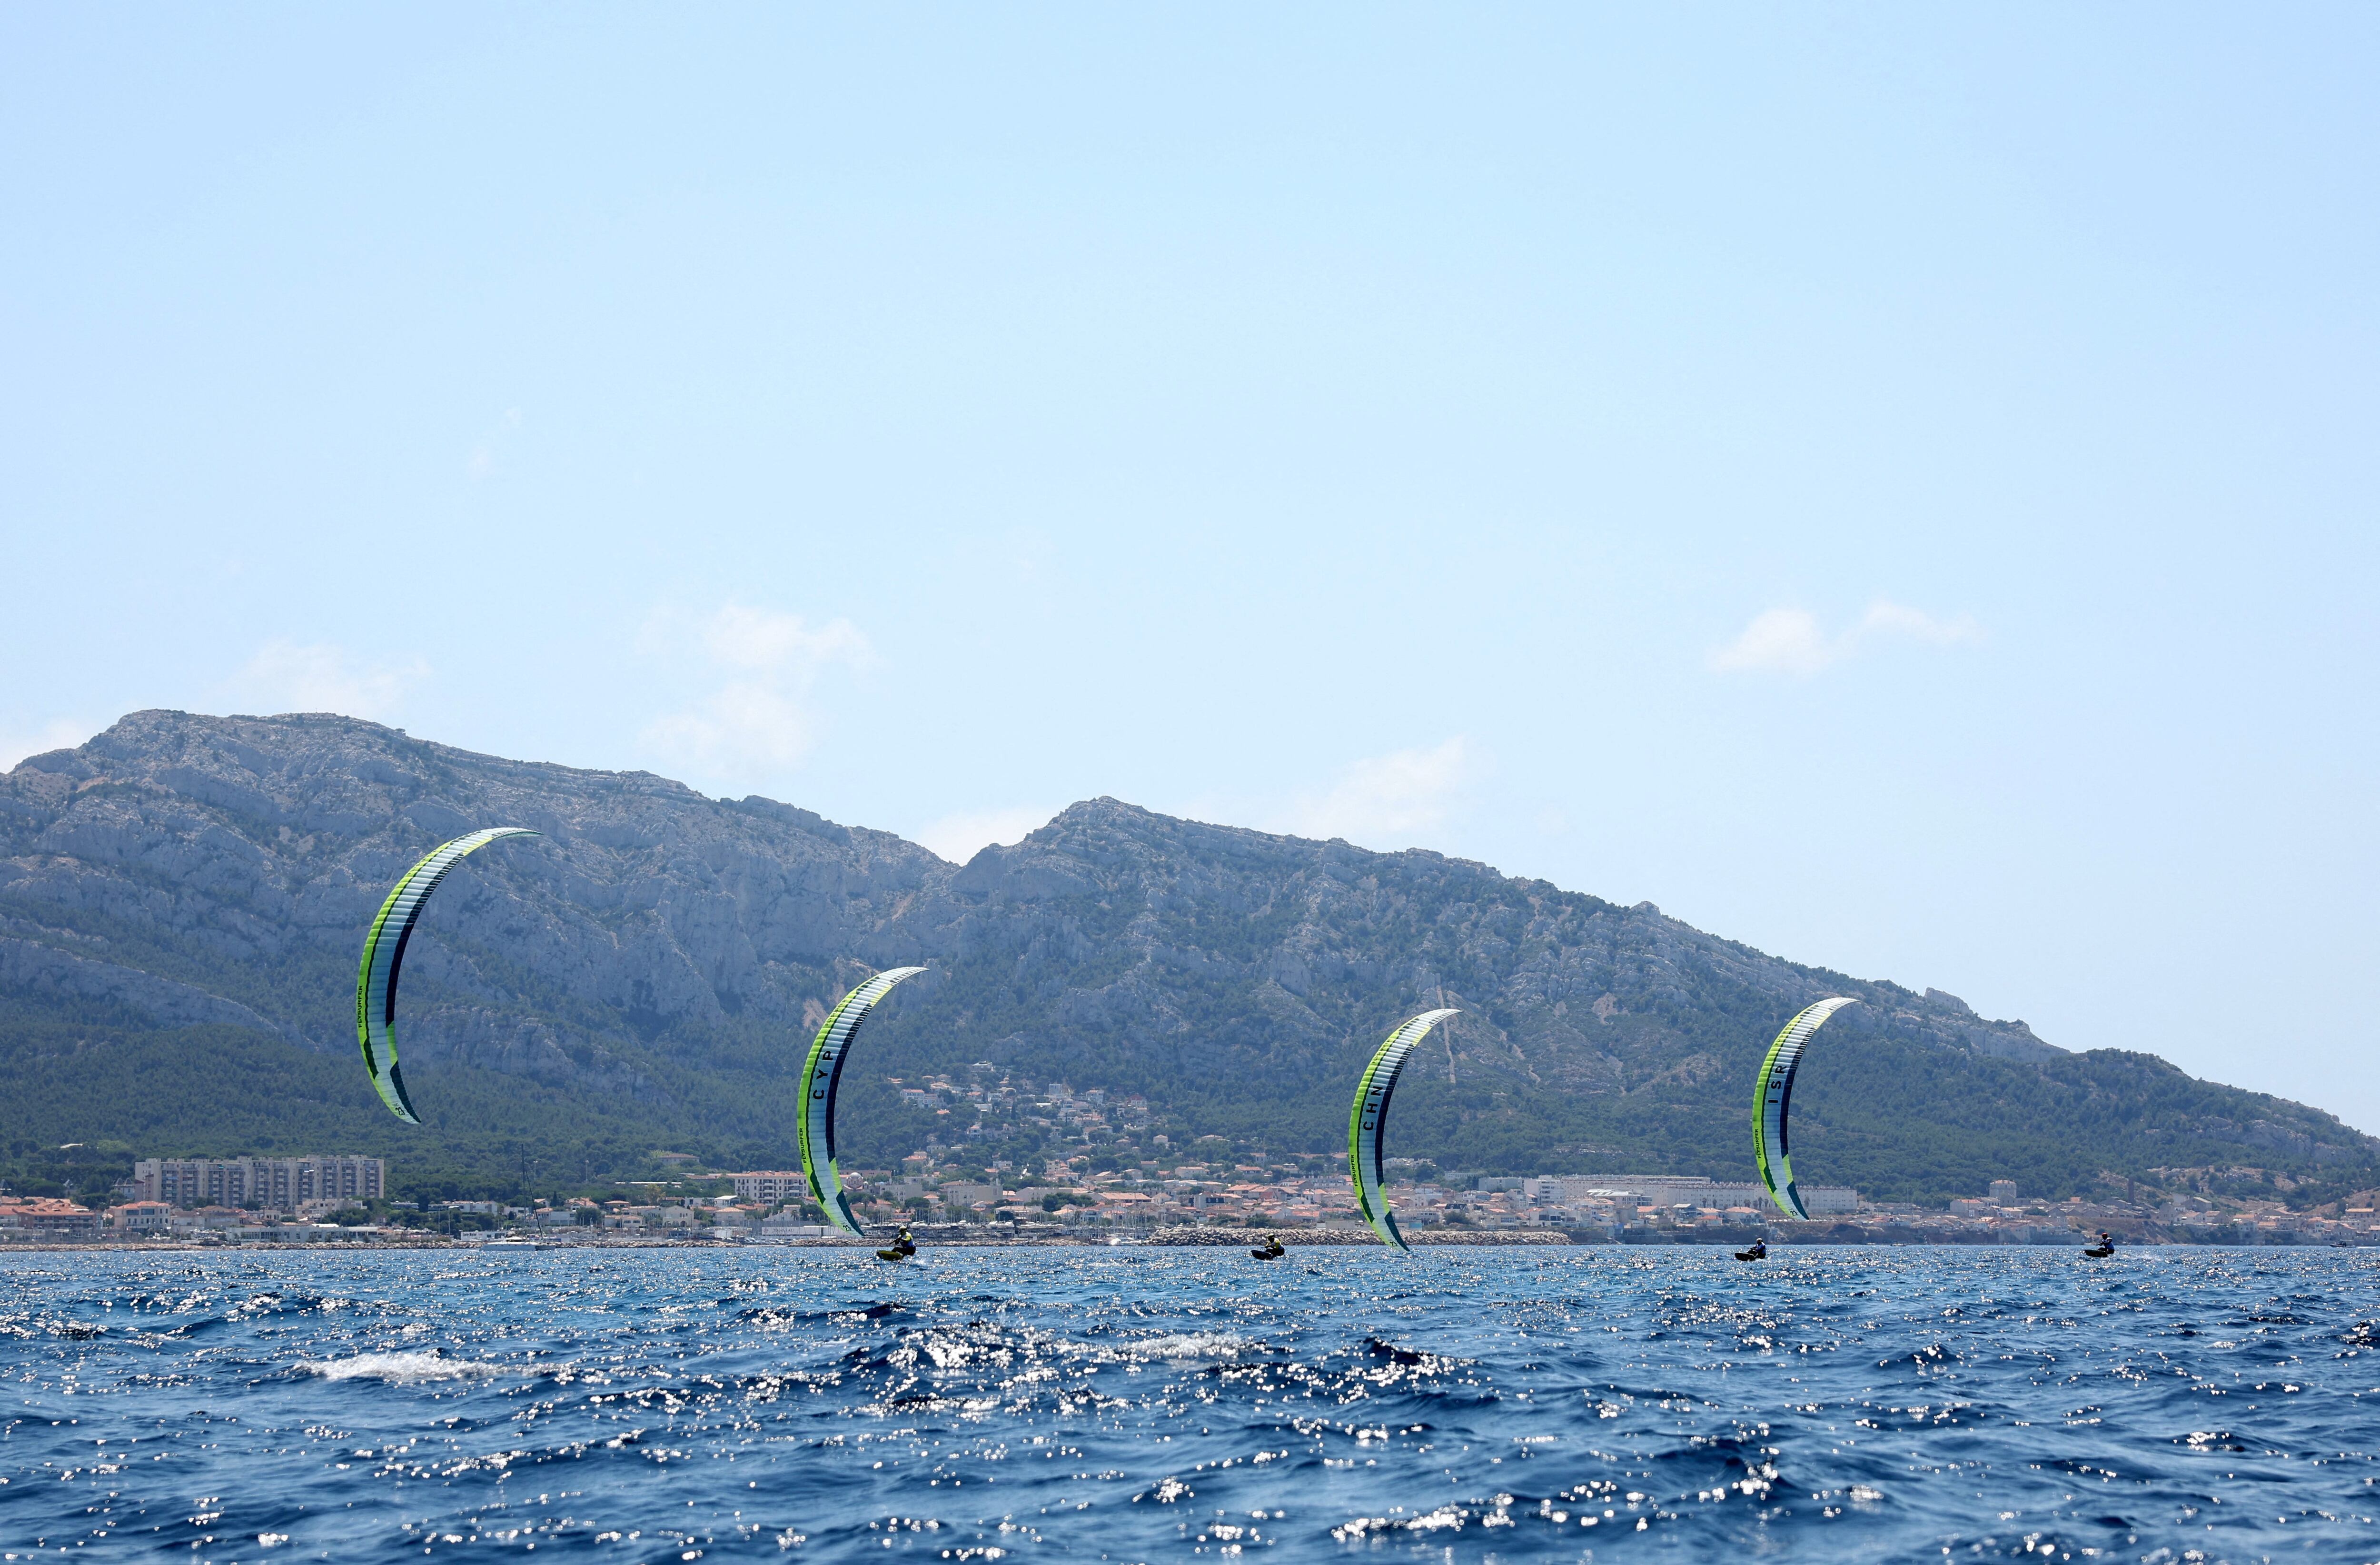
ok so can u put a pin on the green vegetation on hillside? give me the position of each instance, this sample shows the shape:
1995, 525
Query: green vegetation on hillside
84, 1075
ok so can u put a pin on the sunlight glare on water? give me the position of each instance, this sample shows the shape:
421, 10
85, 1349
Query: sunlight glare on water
2178, 1405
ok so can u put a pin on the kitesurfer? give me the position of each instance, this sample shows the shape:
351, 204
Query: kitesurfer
1758, 1251
822, 1076
384, 955
2105, 1248
1772, 1098
1368, 1124
1271, 1250
903, 1247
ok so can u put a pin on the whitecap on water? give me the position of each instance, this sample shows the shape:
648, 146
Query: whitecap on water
1190, 1345
398, 1369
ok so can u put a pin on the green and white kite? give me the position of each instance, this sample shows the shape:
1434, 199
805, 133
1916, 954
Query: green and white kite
821, 1074
1367, 1123
384, 951
1772, 1096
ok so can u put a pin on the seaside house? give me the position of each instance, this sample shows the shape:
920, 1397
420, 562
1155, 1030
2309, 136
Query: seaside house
45, 1217
139, 1218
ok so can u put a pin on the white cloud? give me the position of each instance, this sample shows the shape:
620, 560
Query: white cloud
319, 676
780, 644
1785, 640
1389, 798
1791, 640
754, 723
961, 837
745, 723
63, 733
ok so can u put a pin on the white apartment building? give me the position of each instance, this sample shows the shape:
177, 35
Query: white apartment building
1669, 1190
772, 1186
270, 1184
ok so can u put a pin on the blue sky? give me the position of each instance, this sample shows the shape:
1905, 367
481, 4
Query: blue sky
1894, 488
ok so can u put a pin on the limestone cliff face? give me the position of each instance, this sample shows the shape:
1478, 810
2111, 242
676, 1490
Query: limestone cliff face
1206, 964
198, 868
182, 872
1219, 951
188, 868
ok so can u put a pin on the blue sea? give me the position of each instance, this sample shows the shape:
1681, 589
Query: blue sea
1140, 1404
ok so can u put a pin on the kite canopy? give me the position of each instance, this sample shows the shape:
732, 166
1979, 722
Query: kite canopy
821, 1074
1367, 1121
384, 951
1772, 1096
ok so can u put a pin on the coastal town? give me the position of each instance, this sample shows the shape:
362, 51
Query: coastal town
1008, 1163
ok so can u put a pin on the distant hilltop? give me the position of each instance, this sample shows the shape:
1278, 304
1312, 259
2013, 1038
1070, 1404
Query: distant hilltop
182, 900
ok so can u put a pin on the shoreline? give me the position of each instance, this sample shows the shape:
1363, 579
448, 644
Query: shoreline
1189, 1237
1161, 1238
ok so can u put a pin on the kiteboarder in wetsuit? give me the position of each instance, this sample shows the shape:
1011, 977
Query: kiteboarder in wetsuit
1271, 1250
2105, 1248
903, 1247
1758, 1251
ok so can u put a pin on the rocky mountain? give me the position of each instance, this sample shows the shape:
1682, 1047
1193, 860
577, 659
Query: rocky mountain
182, 900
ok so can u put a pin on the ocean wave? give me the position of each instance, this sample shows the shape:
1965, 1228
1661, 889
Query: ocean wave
1064, 1402
1189, 1345
411, 1367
